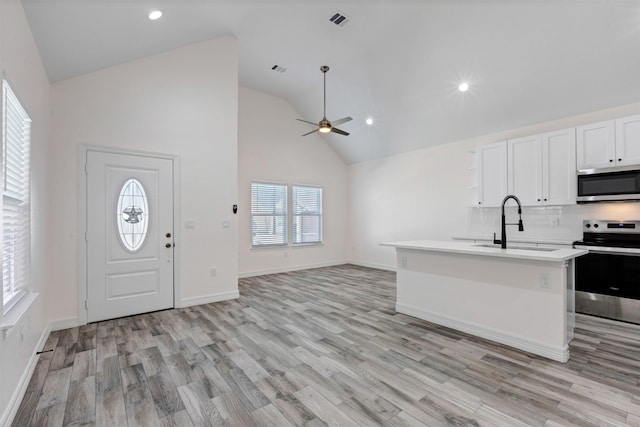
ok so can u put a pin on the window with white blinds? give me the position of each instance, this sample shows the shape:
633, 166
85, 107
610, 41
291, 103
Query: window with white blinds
307, 214
268, 214
16, 207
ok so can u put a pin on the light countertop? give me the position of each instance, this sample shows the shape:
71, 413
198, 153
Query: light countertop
537, 241
473, 248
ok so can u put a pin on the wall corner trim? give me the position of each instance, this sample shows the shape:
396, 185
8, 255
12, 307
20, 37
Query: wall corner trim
288, 269
69, 322
206, 299
372, 265
18, 394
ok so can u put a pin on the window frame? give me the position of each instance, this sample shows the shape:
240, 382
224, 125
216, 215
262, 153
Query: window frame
274, 214
317, 214
16, 200
289, 216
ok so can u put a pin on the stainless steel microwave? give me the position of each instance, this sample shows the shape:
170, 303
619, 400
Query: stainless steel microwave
610, 184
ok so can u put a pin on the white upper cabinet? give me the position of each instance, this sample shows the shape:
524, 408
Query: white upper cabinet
610, 143
525, 169
542, 168
596, 145
628, 141
492, 174
559, 182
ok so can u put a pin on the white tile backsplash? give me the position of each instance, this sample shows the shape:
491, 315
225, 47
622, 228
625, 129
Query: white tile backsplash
539, 221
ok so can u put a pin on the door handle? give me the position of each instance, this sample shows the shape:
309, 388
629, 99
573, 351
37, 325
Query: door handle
168, 245
167, 235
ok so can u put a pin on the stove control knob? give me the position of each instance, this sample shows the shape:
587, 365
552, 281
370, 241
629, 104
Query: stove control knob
595, 225
588, 225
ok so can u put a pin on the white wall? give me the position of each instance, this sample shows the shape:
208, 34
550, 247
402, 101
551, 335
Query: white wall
272, 149
21, 62
183, 102
425, 194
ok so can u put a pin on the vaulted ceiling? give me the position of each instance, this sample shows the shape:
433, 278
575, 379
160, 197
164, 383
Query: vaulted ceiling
397, 61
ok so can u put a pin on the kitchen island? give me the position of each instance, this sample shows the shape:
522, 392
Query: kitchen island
523, 298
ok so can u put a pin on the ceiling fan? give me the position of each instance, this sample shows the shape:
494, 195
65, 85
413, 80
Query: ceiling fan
324, 125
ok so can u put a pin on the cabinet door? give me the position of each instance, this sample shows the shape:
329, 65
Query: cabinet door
559, 167
595, 145
628, 141
492, 173
525, 169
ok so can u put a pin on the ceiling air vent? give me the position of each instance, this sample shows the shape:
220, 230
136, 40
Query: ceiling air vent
340, 19
278, 69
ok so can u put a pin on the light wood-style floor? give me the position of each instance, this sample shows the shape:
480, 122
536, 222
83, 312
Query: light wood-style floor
323, 347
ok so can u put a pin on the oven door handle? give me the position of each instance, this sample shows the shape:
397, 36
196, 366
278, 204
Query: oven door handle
609, 251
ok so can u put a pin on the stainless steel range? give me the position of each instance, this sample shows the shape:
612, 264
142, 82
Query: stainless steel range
608, 277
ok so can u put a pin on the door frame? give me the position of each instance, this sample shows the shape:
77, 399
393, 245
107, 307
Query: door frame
83, 150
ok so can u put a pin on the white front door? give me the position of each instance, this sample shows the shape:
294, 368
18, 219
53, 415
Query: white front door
129, 234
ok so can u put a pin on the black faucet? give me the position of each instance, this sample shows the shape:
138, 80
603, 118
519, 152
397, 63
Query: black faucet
503, 238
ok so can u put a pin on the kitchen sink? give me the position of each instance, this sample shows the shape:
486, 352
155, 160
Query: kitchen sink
522, 248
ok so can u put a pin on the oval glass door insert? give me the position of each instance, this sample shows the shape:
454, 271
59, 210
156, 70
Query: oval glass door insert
132, 215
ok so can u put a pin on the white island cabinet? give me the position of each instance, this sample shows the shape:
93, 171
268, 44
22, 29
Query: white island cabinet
523, 298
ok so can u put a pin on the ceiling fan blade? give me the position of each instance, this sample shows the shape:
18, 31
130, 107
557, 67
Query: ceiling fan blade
341, 121
306, 121
309, 133
339, 131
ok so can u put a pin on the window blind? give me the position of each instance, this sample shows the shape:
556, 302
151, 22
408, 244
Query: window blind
16, 209
268, 214
307, 214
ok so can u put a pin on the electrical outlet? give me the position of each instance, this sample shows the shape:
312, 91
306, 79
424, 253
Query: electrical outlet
545, 280
189, 224
555, 222
212, 272
226, 224
403, 262
286, 254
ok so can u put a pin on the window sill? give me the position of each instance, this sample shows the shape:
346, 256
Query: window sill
269, 247
306, 245
285, 247
16, 313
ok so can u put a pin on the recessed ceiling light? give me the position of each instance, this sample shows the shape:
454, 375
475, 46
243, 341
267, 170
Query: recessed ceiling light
156, 14
369, 121
464, 86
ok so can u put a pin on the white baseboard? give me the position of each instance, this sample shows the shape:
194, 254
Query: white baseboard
21, 388
290, 268
206, 299
372, 265
69, 322
560, 354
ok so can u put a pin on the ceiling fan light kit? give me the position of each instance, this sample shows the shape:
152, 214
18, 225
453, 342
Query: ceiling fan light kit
324, 125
